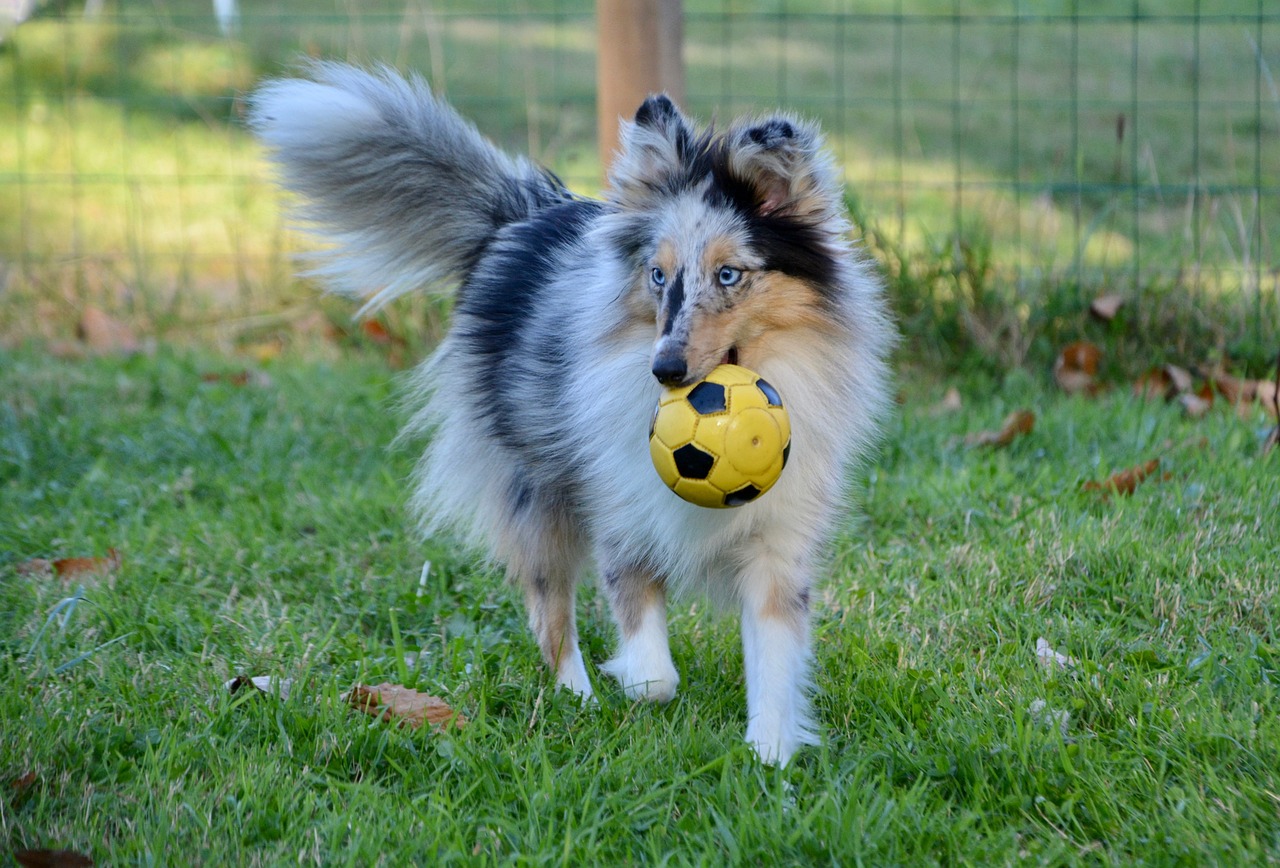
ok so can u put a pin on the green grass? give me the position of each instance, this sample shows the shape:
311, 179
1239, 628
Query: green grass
262, 532
128, 181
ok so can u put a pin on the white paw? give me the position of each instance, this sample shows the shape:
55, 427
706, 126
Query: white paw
573, 676
776, 738
771, 747
656, 682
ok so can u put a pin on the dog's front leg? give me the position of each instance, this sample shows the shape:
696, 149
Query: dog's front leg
775, 650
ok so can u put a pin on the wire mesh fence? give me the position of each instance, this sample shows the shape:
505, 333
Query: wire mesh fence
996, 151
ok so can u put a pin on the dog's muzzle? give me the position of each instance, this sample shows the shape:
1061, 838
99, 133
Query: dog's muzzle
670, 368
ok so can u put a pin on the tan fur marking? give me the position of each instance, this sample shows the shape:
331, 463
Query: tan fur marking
552, 621
631, 594
770, 306
784, 604
722, 250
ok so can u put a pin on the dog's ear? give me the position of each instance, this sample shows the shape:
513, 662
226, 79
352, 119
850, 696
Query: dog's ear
652, 154
782, 159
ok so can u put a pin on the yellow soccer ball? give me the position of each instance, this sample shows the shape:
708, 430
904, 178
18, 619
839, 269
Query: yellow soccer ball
723, 441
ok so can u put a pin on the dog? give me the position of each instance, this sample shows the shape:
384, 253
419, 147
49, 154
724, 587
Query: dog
571, 316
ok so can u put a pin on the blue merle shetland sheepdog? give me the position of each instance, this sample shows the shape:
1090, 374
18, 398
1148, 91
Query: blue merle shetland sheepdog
571, 315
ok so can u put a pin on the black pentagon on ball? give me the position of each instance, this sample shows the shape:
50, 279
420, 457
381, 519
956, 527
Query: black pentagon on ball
786, 453
708, 398
692, 462
746, 494
770, 393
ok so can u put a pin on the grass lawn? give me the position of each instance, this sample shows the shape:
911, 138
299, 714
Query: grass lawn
261, 532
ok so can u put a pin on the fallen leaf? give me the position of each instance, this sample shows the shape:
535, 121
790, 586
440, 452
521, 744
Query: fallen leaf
1050, 659
1016, 424
951, 402
1154, 384
25, 782
1076, 368
34, 567
1124, 481
1194, 405
264, 351
1267, 397
238, 378
1105, 307
73, 568
51, 859
315, 323
1236, 391
1043, 715
70, 350
377, 332
1179, 377
104, 334
393, 701
266, 684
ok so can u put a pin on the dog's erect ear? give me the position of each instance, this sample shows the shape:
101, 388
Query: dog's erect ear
652, 153
783, 161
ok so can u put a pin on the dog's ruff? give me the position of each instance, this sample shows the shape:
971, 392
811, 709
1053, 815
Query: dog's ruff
537, 404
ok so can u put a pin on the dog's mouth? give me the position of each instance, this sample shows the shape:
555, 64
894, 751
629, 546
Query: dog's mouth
730, 357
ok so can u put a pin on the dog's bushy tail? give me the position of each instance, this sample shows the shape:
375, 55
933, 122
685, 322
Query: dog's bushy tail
408, 193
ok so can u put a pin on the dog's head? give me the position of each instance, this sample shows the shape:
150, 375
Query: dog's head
729, 237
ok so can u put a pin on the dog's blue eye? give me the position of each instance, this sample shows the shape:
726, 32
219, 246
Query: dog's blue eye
659, 279
729, 276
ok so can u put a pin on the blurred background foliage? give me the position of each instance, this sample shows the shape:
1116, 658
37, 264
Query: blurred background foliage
1006, 161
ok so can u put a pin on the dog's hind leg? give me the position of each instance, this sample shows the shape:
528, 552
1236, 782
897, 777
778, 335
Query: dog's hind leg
544, 554
549, 599
775, 651
643, 664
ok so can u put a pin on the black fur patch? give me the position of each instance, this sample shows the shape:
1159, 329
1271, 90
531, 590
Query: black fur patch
788, 244
495, 306
656, 109
675, 301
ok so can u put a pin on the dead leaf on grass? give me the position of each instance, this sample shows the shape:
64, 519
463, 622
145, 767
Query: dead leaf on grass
1233, 389
1043, 715
1050, 659
35, 567
104, 334
67, 350
1123, 481
1076, 368
1268, 396
951, 403
1016, 424
1165, 382
51, 859
375, 331
411, 708
1105, 307
70, 568
245, 377
24, 782
269, 685
1194, 404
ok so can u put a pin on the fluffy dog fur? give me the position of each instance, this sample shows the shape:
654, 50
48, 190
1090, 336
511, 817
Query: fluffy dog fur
708, 246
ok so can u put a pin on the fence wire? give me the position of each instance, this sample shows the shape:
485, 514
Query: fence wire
1097, 144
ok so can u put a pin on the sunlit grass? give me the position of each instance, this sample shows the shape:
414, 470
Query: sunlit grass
263, 532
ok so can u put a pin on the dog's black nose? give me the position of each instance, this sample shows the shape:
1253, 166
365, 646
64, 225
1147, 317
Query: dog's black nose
669, 370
